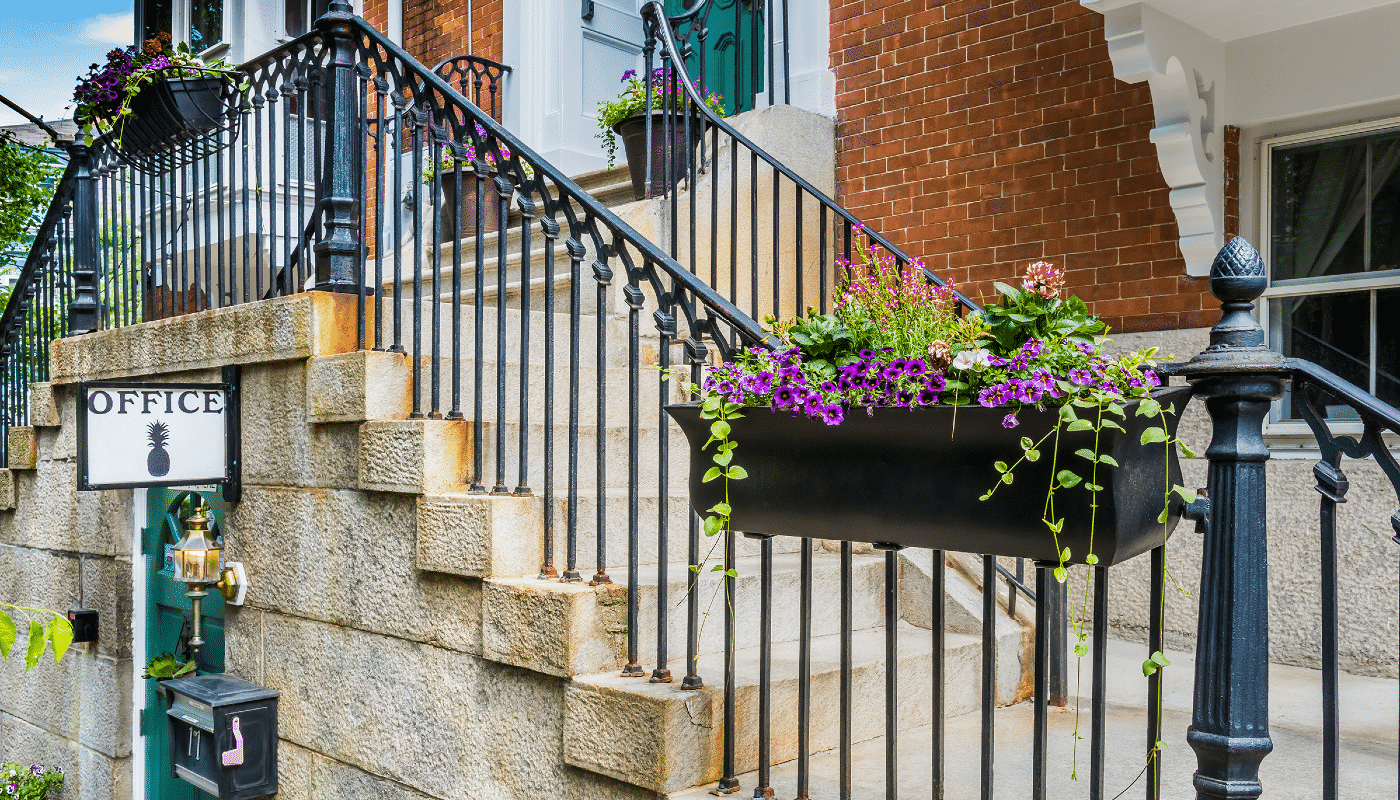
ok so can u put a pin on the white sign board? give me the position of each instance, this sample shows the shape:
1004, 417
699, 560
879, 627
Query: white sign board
154, 434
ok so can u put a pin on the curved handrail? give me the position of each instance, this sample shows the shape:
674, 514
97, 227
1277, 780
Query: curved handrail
1371, 408
592, 208
653, 14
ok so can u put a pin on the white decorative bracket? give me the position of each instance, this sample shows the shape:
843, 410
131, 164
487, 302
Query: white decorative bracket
1175, 60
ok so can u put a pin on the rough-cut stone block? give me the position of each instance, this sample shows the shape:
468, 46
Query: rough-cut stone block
53, 514
85, 698
672, 734
560, 629
43, 405
24, 447
347, 558
7, 490
294, 772
414, 456
280, 329
358, 386
481, 536
280, 445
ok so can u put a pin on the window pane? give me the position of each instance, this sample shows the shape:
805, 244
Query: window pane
155, 18
1385, 207
296, 17
1319, 210
1388, 346
1333, 330
206, 24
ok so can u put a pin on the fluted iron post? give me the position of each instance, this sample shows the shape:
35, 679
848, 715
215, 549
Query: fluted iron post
84, 312
338, 252
1239, 377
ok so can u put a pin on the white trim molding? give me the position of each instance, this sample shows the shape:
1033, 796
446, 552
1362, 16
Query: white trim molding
1182, 66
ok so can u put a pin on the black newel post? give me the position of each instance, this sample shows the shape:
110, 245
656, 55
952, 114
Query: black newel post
338, 253
83, 312
1239, 377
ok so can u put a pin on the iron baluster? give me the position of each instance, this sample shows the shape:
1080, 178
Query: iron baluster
765, 671
891, 671
419, 120
438, 131
1098, 712
576, 253
696, 355
804, 675
635, 299
666, 329
602, 277
527, 220
503, 192
1040, 737
938, 668
550, 228
847, 695
989, 655
1156, 639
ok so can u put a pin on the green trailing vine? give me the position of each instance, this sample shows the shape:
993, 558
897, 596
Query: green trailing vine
56, 635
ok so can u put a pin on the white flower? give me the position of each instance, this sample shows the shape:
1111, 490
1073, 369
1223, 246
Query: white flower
971, 358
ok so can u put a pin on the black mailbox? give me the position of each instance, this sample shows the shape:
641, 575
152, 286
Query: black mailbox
223, 735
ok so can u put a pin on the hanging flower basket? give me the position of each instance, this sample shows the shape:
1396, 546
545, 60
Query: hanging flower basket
669, 155
913, 477
176, 112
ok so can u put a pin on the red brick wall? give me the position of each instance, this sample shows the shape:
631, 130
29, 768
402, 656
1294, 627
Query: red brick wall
985, 134
434, 30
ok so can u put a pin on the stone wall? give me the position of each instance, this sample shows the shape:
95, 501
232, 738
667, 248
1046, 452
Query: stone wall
385, 691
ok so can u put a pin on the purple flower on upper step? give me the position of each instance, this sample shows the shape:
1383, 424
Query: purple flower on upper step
1010, 421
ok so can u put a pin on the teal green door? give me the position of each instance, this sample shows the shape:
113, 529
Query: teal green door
168, 620
734, 64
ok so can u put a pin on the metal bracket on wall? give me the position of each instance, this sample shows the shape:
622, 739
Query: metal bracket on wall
233, 487
587, 11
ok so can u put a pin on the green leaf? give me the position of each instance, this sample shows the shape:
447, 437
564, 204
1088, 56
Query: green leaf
60, 636
1056, 526
1162, 517
731, 410
1091, 559
1080, 425
36, 645
1032, 455
1080, 650
733, 573
1093, 487
721, 508
724, 458
1185, 451
1006, 477
736, 473
1186, 494
1067, 479
1026, 443
1159, 659
710, 403
7, 634
1067, 413
1149, 407
1060, 574
1085, 452
1021, 318
1109, 460
188, 667
1108, 423
1153, 435
1064, 554
719, 429
1000, 466
717, 568
1148, 668
985, 497
713, 525
711, 474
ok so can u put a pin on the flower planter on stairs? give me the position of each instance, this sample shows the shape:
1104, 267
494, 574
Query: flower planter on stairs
668, 163
913, 478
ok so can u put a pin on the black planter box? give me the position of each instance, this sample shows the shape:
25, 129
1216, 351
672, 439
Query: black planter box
913, 477
174, 112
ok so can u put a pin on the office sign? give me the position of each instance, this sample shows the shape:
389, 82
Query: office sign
155, 434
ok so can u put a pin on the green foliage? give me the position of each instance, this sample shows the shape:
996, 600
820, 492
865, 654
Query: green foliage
633, 100
25, 175
166, 666
1024, 315
56, 635
34, 782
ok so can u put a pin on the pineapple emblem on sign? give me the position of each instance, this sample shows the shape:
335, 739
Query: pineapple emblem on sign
158, 462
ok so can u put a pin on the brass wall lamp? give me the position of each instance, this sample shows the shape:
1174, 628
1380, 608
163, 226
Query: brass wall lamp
197, 564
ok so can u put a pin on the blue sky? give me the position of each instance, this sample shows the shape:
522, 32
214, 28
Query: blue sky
46, 44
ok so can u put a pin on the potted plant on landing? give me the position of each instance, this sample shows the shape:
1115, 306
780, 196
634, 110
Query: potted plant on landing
626, 117
34, 782
474, 186
895, 420
155, 97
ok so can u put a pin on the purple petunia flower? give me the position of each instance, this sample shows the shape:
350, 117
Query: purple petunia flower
1151, 378
915, 368
1010, 421
867, 354
833, 414
1081, 376
928, 397
936, 382
784, 397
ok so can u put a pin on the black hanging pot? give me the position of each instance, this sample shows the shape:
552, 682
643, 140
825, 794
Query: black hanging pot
913, 478
171, 112
465, 206
668, 165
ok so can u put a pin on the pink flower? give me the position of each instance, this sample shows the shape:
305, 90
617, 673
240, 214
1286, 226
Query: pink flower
1043, 279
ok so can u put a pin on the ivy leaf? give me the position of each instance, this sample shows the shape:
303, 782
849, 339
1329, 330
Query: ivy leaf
737, 473
713, 525
710, 404
1186, 494
711, 474
1108, 423
1085, 452
1185, 451
733, 573
1162, 517
721, 508
7, 634
1109, 460
36, 645
1067, 479
719, 429
986, 496
61, 636
1060, 574
1153, 435
1006, 477
1080, 425
1093, 487
1064, 555
1067, 414
1148, 668
724, 458
717, 568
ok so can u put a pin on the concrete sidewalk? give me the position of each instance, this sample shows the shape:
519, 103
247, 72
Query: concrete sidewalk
1369, 708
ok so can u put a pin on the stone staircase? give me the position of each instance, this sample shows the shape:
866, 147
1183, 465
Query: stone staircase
578, 632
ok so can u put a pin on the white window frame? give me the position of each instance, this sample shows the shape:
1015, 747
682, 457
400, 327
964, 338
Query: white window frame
1295, 435
180, 13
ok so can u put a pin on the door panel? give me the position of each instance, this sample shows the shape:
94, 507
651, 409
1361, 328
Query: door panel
168, 619
734, 64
